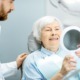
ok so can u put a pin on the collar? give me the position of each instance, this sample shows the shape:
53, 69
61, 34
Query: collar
48, 52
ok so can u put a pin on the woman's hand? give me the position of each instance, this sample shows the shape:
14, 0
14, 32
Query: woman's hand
69, 64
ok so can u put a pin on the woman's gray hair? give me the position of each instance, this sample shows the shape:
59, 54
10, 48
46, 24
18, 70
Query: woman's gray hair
42, 22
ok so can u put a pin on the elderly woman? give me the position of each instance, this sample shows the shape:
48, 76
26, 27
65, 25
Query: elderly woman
44, 61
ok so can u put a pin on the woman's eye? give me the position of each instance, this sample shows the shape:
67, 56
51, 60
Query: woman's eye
47, 29
57, 29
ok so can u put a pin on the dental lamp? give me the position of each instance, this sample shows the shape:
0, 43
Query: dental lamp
70, 6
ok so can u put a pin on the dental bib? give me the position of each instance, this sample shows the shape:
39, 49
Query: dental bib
50, 65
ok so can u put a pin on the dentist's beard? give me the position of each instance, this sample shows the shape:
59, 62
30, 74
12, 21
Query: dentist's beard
3, 15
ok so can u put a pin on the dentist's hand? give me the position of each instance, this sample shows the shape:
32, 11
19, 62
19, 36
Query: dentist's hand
20, 59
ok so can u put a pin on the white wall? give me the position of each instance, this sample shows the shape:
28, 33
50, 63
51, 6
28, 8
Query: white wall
66, 17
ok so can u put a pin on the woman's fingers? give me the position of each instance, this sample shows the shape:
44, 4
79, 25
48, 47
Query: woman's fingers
69, 64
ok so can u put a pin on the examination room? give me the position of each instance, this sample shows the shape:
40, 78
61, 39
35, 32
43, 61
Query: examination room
40, 40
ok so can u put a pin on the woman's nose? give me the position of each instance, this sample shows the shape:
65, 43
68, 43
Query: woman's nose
53, 33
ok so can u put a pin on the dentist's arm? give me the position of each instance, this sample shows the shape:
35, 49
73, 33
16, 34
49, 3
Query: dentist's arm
8, 69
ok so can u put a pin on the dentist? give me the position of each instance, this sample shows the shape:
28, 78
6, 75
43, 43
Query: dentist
8, 69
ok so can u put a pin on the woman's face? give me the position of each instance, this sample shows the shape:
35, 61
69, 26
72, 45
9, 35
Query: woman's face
50, 35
